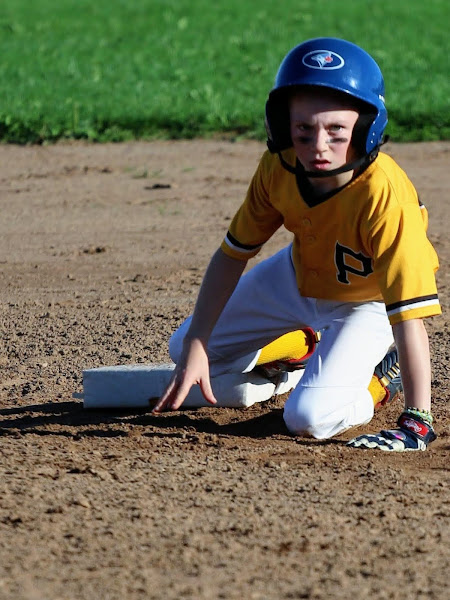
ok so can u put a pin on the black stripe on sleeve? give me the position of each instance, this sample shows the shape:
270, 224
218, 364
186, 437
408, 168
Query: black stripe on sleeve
238, 244
411, 301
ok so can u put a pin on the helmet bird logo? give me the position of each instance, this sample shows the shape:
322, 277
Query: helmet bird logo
323, 59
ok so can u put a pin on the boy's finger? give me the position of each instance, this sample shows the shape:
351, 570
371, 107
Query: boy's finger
205, 386
176, 393
165, 398
179, 396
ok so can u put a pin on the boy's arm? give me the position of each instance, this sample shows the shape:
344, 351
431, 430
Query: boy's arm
415, 431
219, 282
413, 348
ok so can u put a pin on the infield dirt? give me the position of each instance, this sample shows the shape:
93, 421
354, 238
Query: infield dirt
102, 251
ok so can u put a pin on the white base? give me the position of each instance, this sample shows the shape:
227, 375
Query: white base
128, 386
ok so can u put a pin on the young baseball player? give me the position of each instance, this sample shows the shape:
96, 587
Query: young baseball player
360, 269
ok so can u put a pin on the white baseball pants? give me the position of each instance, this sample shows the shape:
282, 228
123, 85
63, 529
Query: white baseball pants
332, 394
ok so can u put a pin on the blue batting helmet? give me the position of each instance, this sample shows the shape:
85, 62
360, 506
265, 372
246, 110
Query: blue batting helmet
335, 64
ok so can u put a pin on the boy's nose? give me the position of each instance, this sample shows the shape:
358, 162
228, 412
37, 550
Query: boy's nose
321, 140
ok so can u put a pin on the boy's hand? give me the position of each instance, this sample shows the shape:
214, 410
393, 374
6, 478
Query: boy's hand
413, 433
192, 368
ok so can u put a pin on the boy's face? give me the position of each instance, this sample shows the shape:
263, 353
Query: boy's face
321, 130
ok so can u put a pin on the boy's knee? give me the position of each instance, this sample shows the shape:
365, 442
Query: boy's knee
323, 412
304, 418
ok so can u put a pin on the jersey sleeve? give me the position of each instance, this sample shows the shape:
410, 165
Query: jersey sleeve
256, 220
405, 263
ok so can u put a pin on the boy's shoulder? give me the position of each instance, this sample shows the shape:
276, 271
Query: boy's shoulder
385, 168
270, 161
385, 176
389, 165
271, 167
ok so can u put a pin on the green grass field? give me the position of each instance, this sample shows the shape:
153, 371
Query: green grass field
122, 69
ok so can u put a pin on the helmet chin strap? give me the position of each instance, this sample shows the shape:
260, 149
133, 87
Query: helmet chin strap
351, 166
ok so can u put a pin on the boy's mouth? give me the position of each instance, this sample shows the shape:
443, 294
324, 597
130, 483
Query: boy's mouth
320, 164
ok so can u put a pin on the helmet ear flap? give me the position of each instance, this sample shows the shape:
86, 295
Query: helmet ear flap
277, 123
361, 131
375, 137
368, 130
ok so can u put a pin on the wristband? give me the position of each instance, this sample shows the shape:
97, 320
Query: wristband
417, 426
421, 413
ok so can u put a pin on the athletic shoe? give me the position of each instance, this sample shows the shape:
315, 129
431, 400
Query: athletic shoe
388, 374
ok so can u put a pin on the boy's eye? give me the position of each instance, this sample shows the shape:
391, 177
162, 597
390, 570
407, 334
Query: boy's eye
301, 128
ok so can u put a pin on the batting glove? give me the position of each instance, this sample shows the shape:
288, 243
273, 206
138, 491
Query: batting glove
413, 433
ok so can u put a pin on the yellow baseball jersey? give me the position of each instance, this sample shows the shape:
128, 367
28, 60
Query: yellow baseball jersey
367, 242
